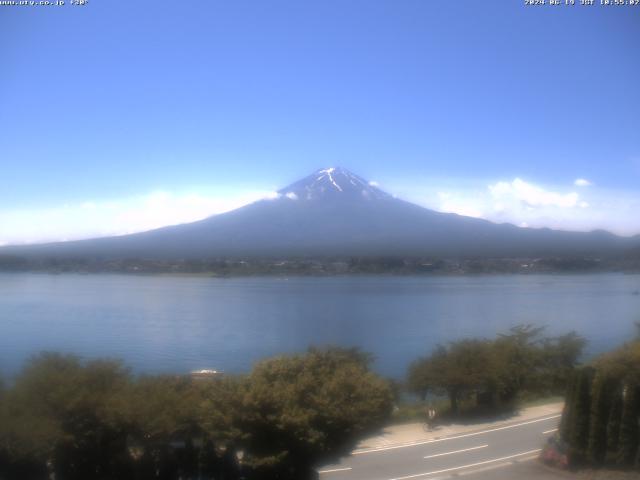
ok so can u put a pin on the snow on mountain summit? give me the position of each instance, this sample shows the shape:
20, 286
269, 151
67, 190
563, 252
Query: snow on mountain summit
333, 183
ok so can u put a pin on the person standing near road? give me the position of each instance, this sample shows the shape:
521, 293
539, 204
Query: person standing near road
431, 416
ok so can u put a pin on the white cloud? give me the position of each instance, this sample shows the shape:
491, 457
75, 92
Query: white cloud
582, 182
518, 202
449, 203
526, 204
94, 218
532, 195
291, 196
373, 183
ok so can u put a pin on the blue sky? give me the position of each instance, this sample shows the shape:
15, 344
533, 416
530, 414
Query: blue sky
121, 116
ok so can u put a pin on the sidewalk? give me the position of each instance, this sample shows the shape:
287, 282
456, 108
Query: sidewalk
410, 433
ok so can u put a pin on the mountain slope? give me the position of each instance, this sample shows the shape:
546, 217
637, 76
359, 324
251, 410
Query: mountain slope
336, 213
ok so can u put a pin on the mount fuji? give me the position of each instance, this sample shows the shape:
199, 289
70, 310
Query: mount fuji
334, 212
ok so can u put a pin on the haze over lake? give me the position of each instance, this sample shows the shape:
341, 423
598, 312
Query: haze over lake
177, 324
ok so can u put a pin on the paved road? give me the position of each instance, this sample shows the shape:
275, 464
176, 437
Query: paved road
465, 454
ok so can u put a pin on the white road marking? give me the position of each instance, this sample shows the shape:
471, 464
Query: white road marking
527, 459
424, 442
456, 451
331, 470
484, 469
466, 466
496, 466
550, 431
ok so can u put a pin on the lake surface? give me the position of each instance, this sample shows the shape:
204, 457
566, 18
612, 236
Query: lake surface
178, 324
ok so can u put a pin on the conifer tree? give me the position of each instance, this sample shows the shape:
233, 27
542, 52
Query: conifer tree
600, 404
628, 442
566, 421
613, 424
579, 433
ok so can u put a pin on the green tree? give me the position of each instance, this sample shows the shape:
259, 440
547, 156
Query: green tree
498, 371
600, 421
613, 425
602, 391
560, 356
299, 409
518, 360
628, 442
581, 406
67, 415
567, 419
421, 378
463, 368
163, 411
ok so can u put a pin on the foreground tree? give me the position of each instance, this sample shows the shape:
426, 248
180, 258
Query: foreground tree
603, 389
301, 409
518, 361
70, 419
66, 417
466, 369
600, 421
578, 431
560, 356
163, 419
497, 371
422, 378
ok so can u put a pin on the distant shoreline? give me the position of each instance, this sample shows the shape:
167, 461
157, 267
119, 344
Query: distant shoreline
383, 266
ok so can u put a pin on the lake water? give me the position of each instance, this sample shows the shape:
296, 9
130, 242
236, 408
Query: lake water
177, 324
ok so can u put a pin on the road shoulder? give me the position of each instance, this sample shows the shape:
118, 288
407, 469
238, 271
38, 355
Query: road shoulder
397, 436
